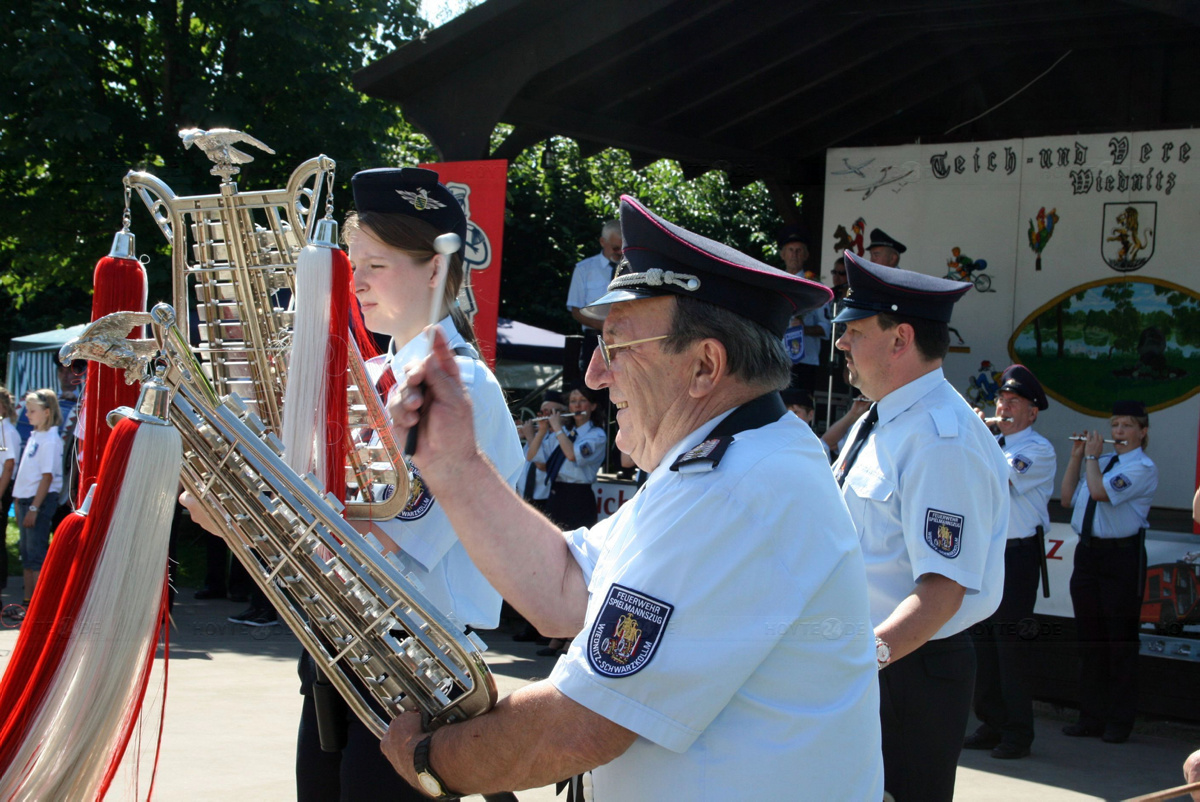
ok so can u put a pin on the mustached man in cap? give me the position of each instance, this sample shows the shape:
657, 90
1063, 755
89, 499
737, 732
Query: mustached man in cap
1110, 497
699, 666
1003, 701
885, 249
921, 475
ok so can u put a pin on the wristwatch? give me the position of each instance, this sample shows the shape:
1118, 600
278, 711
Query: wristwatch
430, 782
1090, 456
883, 653
33, 508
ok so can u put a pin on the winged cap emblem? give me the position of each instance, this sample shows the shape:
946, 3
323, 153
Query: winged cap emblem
420, 199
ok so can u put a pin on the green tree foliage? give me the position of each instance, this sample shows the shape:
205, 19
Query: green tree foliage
95, 89
557, 201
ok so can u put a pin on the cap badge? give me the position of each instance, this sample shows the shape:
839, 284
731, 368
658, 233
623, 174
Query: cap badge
420, 199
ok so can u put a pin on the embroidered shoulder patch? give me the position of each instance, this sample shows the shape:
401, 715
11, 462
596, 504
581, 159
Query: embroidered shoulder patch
585, 450
1020, 463
943, 532
1120, 482
704, 457
420, 500
628, 629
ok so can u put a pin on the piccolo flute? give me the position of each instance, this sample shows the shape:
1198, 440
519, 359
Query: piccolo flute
548, 417
1083, 437
992, 421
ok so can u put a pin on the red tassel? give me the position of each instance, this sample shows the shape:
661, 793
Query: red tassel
39, 618
120, 286
51, 617
337, 356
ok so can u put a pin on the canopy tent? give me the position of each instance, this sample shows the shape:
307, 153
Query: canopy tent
527, 358
520, 342
33, 359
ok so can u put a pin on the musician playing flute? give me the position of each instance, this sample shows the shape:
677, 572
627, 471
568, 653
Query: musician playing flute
722, 646
1003, 699
399, 213
1110, 497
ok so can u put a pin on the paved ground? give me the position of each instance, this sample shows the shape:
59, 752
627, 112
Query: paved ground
233, 706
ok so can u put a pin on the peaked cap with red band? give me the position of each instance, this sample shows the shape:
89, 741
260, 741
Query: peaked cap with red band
875, 288
661, 258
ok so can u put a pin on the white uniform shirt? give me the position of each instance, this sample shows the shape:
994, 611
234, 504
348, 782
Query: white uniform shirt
430, 548
589, 281
1031, 467
10, 438
541, 488
43, 454
1130, 487
928, 496
753, 674
589, 454
812, 344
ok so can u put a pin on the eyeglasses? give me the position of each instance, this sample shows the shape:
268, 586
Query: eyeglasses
839, 272
606, 350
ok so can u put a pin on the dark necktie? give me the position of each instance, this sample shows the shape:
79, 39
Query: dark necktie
612, 268
860, 439
1001, 441
555, 461
530, 478
1089, 512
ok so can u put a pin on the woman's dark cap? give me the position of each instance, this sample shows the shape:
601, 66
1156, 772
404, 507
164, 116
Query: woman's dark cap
1134, 409
411, 191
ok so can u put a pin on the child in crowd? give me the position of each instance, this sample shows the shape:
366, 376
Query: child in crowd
10, 443
38, 483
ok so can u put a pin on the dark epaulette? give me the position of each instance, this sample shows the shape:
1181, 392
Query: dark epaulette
704, 457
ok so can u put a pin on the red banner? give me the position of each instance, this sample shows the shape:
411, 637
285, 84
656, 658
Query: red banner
480, 187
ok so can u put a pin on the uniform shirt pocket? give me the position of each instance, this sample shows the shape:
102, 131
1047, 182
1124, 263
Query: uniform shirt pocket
870, 485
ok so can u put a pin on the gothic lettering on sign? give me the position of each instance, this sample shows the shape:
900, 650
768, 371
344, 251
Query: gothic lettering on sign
937, 163
942, 164
1118, 147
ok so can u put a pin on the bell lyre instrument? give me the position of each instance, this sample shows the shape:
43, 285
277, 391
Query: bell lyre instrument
356, 609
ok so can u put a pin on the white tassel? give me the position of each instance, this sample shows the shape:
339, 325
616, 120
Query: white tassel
82, 719
303, 432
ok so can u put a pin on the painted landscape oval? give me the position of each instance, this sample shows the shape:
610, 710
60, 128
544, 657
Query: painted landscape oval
1109, 340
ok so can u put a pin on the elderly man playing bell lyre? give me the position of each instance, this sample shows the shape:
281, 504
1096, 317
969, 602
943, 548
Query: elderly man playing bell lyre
722, 646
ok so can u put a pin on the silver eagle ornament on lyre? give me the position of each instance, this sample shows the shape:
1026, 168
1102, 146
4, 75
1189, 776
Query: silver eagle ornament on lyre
218, 145
233, 265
